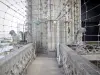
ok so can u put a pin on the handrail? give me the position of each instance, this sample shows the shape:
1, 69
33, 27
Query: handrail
74, 64
16, 62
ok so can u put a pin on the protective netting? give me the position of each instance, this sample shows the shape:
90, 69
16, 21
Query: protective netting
90, 13
90, 20
12, 17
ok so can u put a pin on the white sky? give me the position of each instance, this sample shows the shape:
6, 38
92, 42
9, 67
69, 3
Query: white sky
9, 19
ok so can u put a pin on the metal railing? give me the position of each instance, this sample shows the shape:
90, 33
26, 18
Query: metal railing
17, 62
74, 64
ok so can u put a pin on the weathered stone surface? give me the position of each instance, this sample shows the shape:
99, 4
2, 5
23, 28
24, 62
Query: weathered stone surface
44, 66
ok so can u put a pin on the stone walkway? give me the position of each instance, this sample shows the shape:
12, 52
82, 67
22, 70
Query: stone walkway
44, 66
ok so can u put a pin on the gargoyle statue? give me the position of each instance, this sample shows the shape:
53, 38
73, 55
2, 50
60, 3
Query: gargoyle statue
14, 37
78, 34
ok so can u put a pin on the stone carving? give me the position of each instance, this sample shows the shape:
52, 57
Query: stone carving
21, 38
78, 36
14, 37
28, 37
74, 64
16, 63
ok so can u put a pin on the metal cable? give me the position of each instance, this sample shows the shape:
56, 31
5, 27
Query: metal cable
16, 17
90, 18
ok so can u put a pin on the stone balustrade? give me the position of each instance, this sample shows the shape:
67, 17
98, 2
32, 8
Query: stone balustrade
17, 62
86, 49
74, 64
